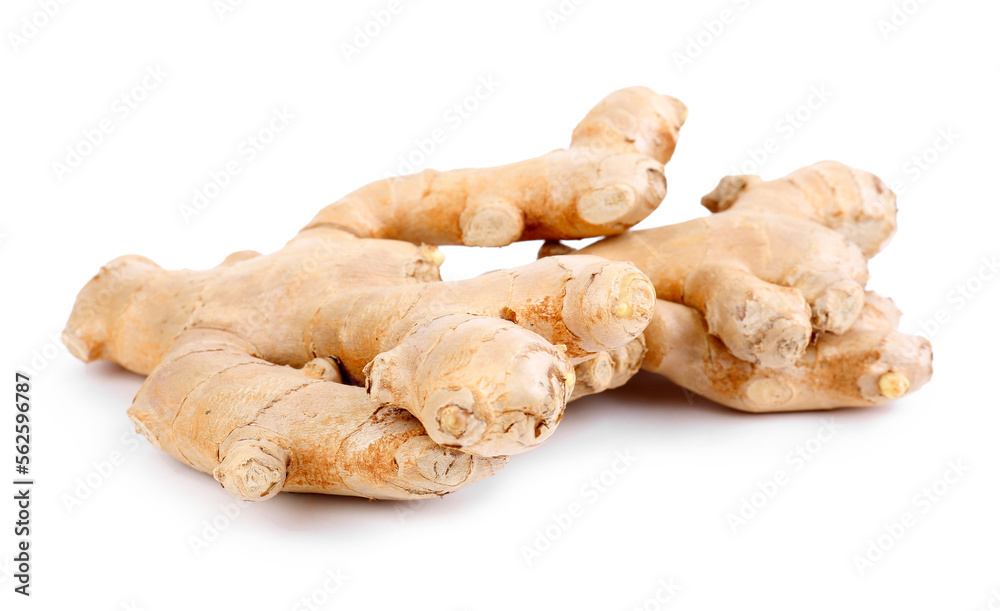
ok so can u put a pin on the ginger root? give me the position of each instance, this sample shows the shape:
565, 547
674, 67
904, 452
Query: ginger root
852, 202
262, 428
762, 306
485, 366
870, 364
254, 366
342, 364
610, 178
764, 280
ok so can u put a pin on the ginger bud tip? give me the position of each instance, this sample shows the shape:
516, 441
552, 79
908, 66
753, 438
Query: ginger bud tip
454, 420
893, 384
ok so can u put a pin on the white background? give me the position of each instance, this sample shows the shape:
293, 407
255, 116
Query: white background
665, 518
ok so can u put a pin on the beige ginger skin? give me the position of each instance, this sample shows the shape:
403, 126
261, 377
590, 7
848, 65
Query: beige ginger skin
870, 364
341, 364
762, 305
252, 365
485, 366
262, 428
610, 178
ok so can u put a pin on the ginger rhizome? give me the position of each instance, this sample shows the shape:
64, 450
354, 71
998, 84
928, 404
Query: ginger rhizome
762, 306
870, 364
262, 428
342, 364
256, 366
483, 366
610, 178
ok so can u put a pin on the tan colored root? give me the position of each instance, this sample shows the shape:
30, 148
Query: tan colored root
766, 282
268, 300
606, 370
261, 428
634, 119
338, 306
610, 178
778, 317
363, 303
330, 294
587, 304
246, 360
485, 386
854, 203
758, 321
870, 364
